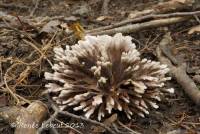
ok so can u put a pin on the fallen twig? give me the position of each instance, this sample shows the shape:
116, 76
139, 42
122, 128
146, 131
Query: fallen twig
179, 72
139, 26
85, 119
146, 17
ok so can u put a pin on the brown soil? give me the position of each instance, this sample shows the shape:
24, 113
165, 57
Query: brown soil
177, 113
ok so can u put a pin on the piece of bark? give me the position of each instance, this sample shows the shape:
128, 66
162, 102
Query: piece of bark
179, 72
25, 120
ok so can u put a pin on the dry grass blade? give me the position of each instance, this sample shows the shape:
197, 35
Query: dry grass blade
28, 66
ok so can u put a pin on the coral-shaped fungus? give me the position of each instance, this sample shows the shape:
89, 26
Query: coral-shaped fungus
104, 74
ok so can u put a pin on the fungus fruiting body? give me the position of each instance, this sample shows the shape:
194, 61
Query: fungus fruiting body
102, 74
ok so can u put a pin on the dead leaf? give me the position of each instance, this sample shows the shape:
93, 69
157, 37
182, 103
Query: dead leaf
78, 30
51, 26
194, 29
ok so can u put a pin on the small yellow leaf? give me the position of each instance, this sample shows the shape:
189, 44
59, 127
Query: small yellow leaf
77, 29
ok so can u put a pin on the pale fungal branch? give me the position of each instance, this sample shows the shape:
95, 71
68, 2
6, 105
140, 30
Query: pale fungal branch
105, 73
58, 111
88, 120
178, 71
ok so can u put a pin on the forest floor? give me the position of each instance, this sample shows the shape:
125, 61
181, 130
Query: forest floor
30, 29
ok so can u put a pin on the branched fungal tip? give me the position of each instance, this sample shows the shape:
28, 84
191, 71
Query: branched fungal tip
102, 73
